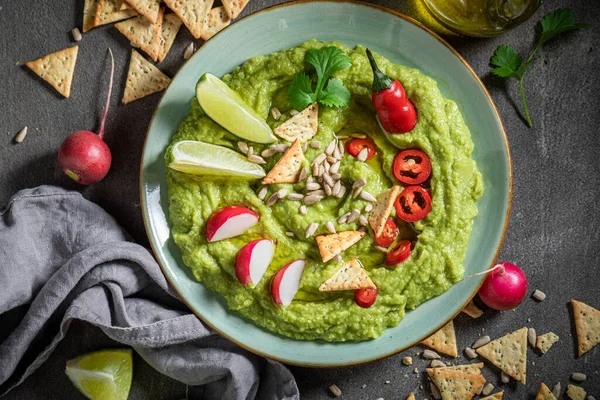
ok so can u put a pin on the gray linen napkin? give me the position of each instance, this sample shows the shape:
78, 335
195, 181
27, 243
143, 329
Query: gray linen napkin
66, 259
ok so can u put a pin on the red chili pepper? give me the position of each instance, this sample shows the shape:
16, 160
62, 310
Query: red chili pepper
354, 146
396, 113
411, 167
388, 235
399, 253
413, 204
365, 297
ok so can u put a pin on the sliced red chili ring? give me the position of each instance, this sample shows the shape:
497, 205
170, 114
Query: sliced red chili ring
413, 204
411, 166
365, 297
388, 235
399, 253
355, 146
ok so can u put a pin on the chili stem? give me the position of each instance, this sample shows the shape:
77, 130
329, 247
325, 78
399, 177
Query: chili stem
527, 117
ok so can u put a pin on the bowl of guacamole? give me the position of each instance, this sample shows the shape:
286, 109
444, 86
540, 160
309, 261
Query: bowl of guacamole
313, 215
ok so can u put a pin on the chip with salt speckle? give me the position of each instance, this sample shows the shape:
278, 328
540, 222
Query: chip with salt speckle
287, 169
303, 125
351, 276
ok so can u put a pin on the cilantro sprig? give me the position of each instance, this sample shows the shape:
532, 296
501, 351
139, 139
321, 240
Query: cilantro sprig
508, 63
329, 92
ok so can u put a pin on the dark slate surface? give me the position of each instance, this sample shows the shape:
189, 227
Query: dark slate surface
553, 232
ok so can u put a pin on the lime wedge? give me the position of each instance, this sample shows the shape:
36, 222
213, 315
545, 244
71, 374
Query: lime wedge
228, 109
199, 158
101, 375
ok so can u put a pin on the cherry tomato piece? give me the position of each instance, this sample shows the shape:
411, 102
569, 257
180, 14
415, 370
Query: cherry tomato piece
412, 167
355, 146
399, 253
365, 297
413, 204
388, 235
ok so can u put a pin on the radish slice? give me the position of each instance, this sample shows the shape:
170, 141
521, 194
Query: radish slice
253, 260
286, 282
229, 222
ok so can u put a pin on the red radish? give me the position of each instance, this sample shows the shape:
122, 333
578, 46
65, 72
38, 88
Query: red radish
253, 260
83, 156
286, 282
504, 288
228, 222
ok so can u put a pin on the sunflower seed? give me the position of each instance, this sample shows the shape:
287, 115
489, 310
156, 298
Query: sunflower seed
369, 207
482, 341
363, 229
256, 159
21, 135
337, 258
531, 337
335, 167
281, 193
309, 179
304, 147
359, 183
295, 196
539, 295
303, 173
321, 170
272, 200
275, 113
189, 51
487, 389
303, 210
328, 189
294, 112
382, 249
437, 364
315, 170
315, 144
342, 192
335, 390
328, 179
290, 234
336, 188
243, 146
430, 354
76, 35
578, 377
329, 226
557, 389
344, 218
268, 152
407, 360
470, 352
312, 228
280, 148
336, 176
363, 220
326, 165
342, 137
359, 135
331, 160
435, 391
587, 398
353, 216
367, 196
330, 148
337, 155
363, 154
319, 192
319, 159
250, 151
341, 148
357, 192
504, 378
262, 193
313, 186
312, 199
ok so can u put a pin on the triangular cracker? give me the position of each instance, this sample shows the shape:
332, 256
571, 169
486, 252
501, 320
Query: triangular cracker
192, 13
143, 79
576, 392
143, 34
333, 244
350, 277
587, 325
303, 125
443, 340
108, 11
456, 385
495, 396
170, 28
545, 341
472, 310
509, 353
216, 20
466, 369
125, 6
288, 167
411, 397
147, 8
382, 209
89, 14
544, 393
234, 7
57, 69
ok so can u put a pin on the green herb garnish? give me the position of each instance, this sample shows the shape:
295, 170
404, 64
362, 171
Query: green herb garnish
509, 64
332, 92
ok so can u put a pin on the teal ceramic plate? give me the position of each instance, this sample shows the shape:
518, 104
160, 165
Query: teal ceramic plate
403, 41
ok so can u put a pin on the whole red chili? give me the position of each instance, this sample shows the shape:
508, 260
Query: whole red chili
396, 113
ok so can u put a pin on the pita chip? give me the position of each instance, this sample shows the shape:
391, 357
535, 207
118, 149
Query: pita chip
382, 209
192, 13
495, 396
351, 276
170, 28
456, 385
443, 340
472, 310
303, 125
89, 14
234, 7
143, 79
287, 169
466, 369
333, 244
108, 11
576, 392
143, 34
411, 397
545, 341
509, 353
544, 393
216, 20
587, 325
57, 69
147, 8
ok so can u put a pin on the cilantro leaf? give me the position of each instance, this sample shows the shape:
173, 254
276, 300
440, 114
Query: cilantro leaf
335, 94
558, 22
326, 61
300, 92
506, 62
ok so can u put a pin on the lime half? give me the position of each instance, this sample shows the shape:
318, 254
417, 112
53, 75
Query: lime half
199, 158
228, 109
101, 375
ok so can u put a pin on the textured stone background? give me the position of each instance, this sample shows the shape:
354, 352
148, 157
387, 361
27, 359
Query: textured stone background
553, 232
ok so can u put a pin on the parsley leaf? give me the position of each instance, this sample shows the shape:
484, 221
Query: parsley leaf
326, 61
507, 63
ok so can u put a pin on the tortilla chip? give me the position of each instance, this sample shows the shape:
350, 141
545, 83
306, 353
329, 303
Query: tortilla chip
443, 340
466, 369
495, 396
545, 341
192, 13
411, 397
303, 125
89, 14
234, 7
216, 20
143, 79
333, 244
143, 34
545, 393
170, 28
57, 69
108, 11
382, 209
587, 324
351, 276
509, 353
288, 167
456, 385
148, 8
472, 310
576, 392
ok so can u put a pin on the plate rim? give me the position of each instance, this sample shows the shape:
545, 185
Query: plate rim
430, 331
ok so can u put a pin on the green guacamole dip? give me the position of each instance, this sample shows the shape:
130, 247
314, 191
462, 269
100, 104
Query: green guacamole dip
435, 262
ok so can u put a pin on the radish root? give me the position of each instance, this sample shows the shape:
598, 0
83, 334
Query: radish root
110, 85
497, 266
